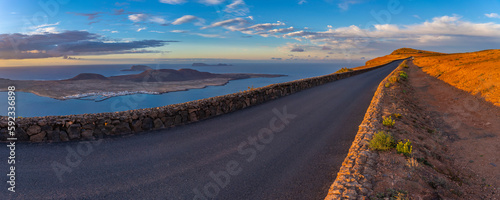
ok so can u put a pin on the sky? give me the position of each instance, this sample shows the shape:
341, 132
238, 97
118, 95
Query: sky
71, 32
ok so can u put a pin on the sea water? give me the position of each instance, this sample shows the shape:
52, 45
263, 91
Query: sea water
31, 105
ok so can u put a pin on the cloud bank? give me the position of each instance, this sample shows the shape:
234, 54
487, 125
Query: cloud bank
24, 46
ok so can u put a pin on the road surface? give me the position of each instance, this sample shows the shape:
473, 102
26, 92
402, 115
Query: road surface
289, 148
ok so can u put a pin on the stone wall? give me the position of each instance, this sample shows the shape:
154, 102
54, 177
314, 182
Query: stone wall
94, 126
354, 179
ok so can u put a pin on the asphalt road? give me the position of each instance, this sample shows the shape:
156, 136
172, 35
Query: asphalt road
289, 148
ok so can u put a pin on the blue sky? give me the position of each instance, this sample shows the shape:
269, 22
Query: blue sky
55, 32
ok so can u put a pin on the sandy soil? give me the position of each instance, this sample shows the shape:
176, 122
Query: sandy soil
470, 123
455, 139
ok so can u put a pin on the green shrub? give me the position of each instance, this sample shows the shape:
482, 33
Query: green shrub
403, 75
388, 121
393, 79
382, 141
344, 69
404, 148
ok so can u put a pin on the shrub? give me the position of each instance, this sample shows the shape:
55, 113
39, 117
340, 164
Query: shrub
382, 141
404, 148
403, 75
388, 121
344, 69
393, 79
396, 115
387, 85
412, 163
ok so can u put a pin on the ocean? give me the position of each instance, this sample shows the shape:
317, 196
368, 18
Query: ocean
31, 105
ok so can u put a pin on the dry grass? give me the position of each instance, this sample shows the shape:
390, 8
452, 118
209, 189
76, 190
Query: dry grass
477, 72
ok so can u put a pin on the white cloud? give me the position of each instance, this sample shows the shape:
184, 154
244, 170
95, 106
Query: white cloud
173, 2
138, 17
157, 20
238, 7
44, 28
492, 15
208, 35
344, 5
266, 26
230, 22
146, 18
187, 19
211, 2
179, 31
302, 2
141, 29
444, 31
282, 30
156, 31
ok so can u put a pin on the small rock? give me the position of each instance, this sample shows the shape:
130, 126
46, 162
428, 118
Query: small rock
88, 134
147, 124
193, 117
158, 124
32, 130
53, 136
137, 126
42, 123
121, 129
63, 136
350, 194
74, 131
38, 137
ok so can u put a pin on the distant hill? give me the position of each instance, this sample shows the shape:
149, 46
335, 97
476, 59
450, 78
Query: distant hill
88, 76
164, 75
398, 54
138, 68
204, 65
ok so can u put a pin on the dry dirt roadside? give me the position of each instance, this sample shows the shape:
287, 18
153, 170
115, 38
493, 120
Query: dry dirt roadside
455, 138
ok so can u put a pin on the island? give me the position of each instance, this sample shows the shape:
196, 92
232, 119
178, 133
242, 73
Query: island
206, 65
98, 87
137, 68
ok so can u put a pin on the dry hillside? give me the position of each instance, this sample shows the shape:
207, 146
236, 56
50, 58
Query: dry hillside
477, 72
398, 54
